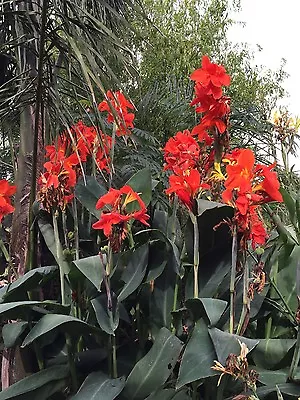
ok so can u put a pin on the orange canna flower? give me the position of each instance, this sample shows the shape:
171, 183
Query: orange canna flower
6, 191
187, 186
212, 77
115, 218
121, 106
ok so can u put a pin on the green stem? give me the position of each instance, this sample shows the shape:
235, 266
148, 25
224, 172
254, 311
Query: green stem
272, 293
232, 279
71, 363
130, 238
196, 254
296, 357
8, 258
279, 225
290, 312
76, 232
245, 309
114, 357
65, 229
59, 256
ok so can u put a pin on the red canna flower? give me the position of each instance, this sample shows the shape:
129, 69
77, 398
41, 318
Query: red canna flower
246, 187
181, 151
121, 105
211, 77
115, 218
6, 191
258, 183
186, 186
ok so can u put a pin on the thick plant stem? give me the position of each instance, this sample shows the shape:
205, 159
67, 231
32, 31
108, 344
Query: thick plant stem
59, 257
245, 309
173, 239
31, 260
196, 254
114, 357
296, 357
232, 279
76, 233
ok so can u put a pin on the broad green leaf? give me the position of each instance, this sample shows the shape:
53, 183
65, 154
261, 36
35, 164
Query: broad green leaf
213, 239
135, 271
32, 279
162, 299
213, 309
290, 389
11, 332
162, 394
181, 395
48, 233
92, 268
171, 252
108, 320
157, 259
88, 194
213, 275
205, 205
141, 183
198, 356
33, 386
155, 368
290, 204
287, 279
98, 386
270, 378
51, 323
169, 394
270, 352
22, 309
226, 343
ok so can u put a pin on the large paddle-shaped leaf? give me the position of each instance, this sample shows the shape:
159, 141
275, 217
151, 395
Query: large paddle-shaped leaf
226, 343
88, 193
155, 368
141, 183
11, 332
198, 356
135, 271
51, 323
18, 289
98, 386
22, 309
92, 268
38, 386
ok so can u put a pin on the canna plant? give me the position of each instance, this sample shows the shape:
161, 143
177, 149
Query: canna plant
135, 300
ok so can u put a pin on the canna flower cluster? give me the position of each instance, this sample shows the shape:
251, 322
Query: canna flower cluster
201, 161
191, 156
75, 146
63, 166
246, 187
6, 191
115, 217
117, 107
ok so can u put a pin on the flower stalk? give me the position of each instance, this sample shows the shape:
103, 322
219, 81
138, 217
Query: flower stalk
196, 254
232, 278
